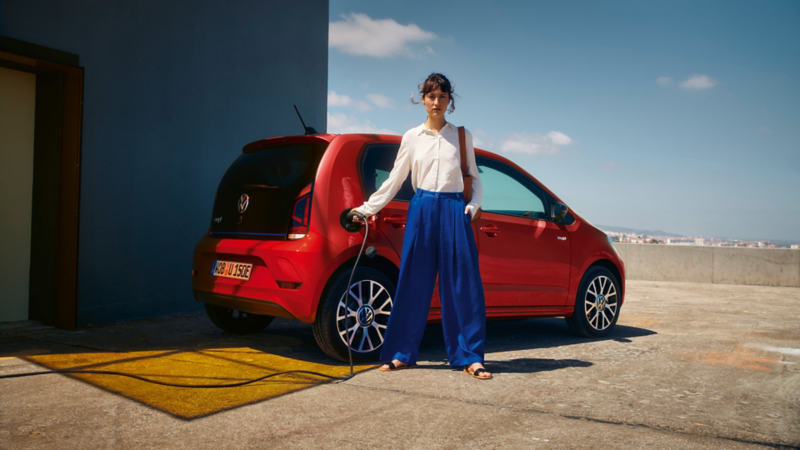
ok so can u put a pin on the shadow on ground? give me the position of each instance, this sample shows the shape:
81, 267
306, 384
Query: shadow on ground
187, 349
518, 335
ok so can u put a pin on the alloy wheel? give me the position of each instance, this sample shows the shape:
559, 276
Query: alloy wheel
364, 313
600, 303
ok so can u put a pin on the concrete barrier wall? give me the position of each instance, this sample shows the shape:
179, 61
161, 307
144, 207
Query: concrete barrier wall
757, 266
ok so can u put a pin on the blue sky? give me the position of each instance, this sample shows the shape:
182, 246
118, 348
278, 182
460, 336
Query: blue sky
679, 116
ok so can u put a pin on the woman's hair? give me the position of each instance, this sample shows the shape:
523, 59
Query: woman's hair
433, 82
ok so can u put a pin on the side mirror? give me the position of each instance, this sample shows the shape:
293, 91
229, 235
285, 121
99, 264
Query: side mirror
558, 211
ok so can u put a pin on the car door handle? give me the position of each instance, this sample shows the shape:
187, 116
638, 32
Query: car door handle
396, 220
490, 230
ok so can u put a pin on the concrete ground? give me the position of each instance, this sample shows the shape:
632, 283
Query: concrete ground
688, 366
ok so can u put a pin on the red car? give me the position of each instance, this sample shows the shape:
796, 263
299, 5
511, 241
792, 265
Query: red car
276, 246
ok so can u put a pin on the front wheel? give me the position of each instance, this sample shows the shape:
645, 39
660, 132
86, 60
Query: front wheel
363, 312
596, 305
237, 322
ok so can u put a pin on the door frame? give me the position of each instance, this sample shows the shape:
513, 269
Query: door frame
56, 178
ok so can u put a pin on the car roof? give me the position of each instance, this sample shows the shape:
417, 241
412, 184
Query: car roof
330, 137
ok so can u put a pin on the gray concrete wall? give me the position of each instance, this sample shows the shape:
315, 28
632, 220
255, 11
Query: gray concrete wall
173, 90
757, 266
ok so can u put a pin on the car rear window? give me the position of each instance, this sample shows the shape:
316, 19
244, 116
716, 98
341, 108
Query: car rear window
271, 179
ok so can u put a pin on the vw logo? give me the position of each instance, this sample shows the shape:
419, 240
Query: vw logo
600, 303
365, 315
244, 200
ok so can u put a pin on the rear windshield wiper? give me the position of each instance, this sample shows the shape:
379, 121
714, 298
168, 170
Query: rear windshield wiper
259, 186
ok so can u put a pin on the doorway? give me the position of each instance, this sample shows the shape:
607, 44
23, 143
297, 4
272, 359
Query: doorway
17, 114
40, 147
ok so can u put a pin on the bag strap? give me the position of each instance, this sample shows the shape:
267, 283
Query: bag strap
462, 148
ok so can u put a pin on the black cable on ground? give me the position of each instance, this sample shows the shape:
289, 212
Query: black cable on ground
217, 386
163, 383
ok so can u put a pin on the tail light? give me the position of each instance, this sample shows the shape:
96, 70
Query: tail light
301, 213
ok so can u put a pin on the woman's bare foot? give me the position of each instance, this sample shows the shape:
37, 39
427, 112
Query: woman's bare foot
474, 367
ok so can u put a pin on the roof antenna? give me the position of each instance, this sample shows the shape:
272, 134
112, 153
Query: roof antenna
309, 130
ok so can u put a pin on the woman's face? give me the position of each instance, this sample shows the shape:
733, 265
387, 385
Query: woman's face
436, 102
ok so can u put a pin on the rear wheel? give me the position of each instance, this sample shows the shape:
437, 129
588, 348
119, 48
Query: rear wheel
596, 305
363, 312
237, 322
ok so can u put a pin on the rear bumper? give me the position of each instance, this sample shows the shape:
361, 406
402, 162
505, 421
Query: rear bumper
247, 305
283, 283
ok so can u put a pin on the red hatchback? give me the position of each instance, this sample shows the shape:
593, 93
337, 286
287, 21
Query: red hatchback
276, 246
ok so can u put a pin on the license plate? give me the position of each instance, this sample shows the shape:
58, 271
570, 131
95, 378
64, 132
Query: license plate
231, 269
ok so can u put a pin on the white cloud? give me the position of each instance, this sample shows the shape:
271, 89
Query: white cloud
335, 99
535, 144
381, 100
342, 123
358, 34
559, 138
698, 82
664, 81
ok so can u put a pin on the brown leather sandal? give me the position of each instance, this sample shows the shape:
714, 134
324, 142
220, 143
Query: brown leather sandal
477, 372
392, 367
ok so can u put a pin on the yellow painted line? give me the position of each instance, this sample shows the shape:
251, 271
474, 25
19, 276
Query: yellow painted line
208, 366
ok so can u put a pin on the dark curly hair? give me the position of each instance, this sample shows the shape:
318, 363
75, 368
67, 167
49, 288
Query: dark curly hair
433, 82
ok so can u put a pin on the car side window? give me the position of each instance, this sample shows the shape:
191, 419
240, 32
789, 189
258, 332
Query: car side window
376, 164
507, 191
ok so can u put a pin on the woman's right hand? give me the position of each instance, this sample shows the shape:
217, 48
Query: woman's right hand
356, 218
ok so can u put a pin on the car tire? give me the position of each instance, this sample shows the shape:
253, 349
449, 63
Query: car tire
596, 305
237, 322
369, 307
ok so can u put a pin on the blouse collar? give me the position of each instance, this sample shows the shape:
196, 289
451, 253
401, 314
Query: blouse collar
423, 128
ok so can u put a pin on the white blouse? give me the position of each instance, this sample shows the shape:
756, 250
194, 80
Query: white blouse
435, 164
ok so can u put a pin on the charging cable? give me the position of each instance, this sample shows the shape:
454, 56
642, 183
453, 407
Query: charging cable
353, 228
349, 282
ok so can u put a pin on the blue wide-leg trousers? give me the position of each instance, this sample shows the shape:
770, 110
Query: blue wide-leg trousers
438, 238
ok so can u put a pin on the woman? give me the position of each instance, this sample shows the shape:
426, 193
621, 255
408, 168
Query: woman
438, 238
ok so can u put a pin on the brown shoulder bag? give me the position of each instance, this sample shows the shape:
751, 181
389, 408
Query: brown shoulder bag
462, 148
